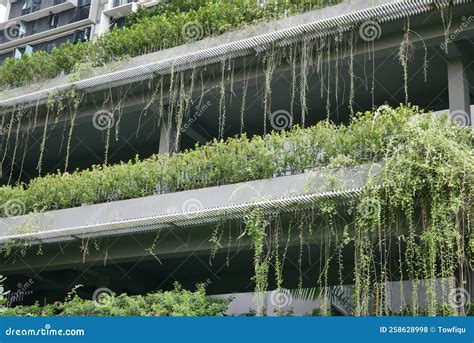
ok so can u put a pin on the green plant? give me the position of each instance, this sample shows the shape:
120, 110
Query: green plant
149, 30
177, 302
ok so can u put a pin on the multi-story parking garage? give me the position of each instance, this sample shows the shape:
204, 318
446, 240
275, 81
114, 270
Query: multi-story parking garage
325, 64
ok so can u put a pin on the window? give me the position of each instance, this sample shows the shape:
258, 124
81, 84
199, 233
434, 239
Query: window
36, 5
20, 52
77, 37
117, 23
26, 7
33, 27
57, 2
53, 20
50, 46
21, 30
83, 3
28, 50
81, 36
87, 34
17, 54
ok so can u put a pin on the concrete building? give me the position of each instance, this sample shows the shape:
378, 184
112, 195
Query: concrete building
186, 219
41, 25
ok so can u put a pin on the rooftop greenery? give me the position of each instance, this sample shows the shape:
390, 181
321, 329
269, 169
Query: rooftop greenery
168, 25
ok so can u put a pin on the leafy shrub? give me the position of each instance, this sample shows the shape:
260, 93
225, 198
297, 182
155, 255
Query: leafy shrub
369, 137
178, 302
148, 30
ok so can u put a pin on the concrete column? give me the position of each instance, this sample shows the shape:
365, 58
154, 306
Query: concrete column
168, 142
458, 87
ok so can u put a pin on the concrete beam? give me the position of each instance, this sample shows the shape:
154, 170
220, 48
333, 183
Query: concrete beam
168, 143
458, 87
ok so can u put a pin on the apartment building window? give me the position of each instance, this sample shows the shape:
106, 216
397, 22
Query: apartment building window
33, 27
19, 52
117, 23
21, 30
57, 2
36, 5
83, 3
81, 36
26, 9
77, 37
53, 20
122, 2
87, 34
50, 46
28, 50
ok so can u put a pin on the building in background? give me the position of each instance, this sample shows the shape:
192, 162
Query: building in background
41, 25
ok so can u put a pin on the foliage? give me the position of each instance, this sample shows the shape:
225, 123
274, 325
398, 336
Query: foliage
219, 162
159, 28
188, 5
178, 302
421, 204
3, 299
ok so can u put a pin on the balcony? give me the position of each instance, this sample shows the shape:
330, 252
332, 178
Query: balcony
122, 2
121, 8
40, 10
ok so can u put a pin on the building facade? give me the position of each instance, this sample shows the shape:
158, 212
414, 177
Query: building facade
28, 26
169, 100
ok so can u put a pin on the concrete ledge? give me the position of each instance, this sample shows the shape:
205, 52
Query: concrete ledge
322, 22
189, 208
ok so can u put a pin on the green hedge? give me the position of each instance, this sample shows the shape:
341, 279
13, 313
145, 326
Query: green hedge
366, 138
149, 32
178, 302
